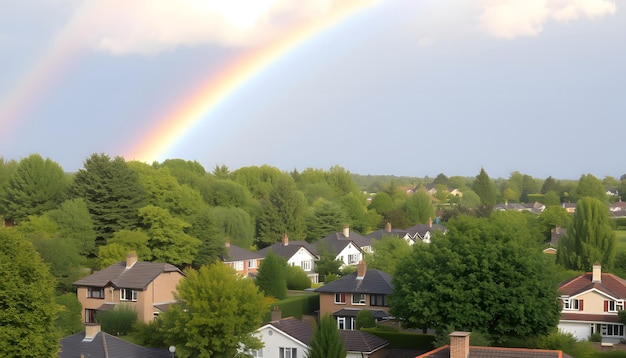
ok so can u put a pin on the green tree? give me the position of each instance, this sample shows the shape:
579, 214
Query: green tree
468, 277
297, 279
327, 263
284, 211
112, 192
550, 184
272, 276
186, 172
387, 253
69, 320
75, 223
551, 217
324, 218
234, 223
551, 198
120, 244
217, 313
365, 319
469, 199
589, 238
381, 202
441, 179
485, 188
35, 187
28, 314
419, 207
119, 321
259, 180
355, 206
326, 342
589, 185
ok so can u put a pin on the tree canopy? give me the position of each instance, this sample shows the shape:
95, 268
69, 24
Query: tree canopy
326, 342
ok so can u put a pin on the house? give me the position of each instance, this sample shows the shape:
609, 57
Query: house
245, 262
555, 235
297, 253
569, 207
93, 343
388, 231
618, 208
459, 347
423, 232
348, 247
290, 338
145, 286
590, 304
364, 289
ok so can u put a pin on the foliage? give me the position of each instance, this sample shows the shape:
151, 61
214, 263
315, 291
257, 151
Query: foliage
387, 253
112, 192
324, 218
272, 276
469, 199
477, 338
381, 202
484, 187
118, 321
233, 223
419, 207
35, 187
326, 342
185, 171
76, 224
360, 219
29, 312
62, 257
120, 244
595, 337
149, 334
468, 277
403, 340
551, 217
589, 239
69, 320
589, 185
365, 319
297, 279
296, 306
216, 314
327, 263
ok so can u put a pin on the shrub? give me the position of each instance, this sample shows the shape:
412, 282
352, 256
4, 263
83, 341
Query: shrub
365, 319
297, 279
149, 334
595, 337
119, 321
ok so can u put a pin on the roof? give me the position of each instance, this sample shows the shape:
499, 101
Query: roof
287, 251
379, 234
347, 312
137, 276
355, 341
610, 284
497, 352
236, 253
336, 245
105, 345
585, 317
374, 282
422, 229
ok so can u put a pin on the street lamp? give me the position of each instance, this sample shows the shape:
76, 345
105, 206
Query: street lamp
172, 350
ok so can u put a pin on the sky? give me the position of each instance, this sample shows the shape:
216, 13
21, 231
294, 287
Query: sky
397, 87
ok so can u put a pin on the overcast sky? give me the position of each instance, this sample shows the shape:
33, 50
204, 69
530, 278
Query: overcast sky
402, 87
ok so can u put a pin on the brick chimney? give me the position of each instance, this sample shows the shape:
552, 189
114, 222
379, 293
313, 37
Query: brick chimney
596, 275
430, 222
388, 226
346, 231
361, 269
131, 259
91, 330
227, 244
285, 240
276, 314
459, 344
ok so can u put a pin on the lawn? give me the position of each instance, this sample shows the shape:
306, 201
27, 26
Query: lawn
620, 235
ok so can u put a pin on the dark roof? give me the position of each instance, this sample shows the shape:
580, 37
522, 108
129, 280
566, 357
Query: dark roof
336, 245
356, 341
421, 229
379, 234
374, 282
287, 251
585, 317
348, 312
497, 352
236, 253
610, 284
337, 240
73, 347
136, 277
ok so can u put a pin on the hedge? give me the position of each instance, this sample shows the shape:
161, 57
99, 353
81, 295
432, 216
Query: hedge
295, 306
404, 340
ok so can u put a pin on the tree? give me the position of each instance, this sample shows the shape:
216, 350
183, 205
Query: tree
75, 223
36, 186
69, 320
325, 217
297, 279
589, 185
355, 206
485, 188
551, 217
29, 311
419, 207
112, 192
326, 342
365, 319
272, 276
381, 202
283, 211
441, 179
119, 321
216, 315
120, 244
387, 253
328, 263
589, 239
468, 277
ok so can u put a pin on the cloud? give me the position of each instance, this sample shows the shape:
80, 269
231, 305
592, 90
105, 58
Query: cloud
513, 18
153, 26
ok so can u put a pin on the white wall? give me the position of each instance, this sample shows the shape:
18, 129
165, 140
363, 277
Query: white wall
581, 331
273, 339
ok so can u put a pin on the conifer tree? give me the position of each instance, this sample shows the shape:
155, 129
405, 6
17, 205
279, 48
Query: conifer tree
485, 188
272, 276
326, 342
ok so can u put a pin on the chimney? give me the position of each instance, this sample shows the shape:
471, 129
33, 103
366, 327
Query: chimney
459, 344
285, 240
91, 330
361, 269
388, 226
131, 259
596, 276
276, 314
557, 229
227, 242
346, 231
430, 222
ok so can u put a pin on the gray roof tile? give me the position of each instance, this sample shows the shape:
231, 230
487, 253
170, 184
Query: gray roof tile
136, 277
73, 347
374, 282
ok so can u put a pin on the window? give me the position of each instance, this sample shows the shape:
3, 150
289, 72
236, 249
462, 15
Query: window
238, 265
615, 306
287, 352
256, 353
306, 265
251, 263
341, 322
340, 298
615, 330
90, 316
95, 292
358, 299
571, 304
378, 300
126, 294
353, 259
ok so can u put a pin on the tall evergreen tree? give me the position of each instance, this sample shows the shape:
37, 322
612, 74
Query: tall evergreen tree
283, 211
325, 217
29, 310
326, 342
112, 192
272, 276
589, 238
485, 188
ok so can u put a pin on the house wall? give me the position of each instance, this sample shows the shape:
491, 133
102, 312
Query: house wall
593, 303
300, 256
580, 331
164, 285
328, 305
351, 249
276, 339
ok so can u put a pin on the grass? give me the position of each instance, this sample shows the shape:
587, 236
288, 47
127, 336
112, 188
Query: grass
620, 236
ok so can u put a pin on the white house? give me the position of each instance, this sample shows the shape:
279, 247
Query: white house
297, 253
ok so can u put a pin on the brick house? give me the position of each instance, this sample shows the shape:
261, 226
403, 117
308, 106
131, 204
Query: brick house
245, 262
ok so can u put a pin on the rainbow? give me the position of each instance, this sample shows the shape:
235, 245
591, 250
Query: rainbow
198, 107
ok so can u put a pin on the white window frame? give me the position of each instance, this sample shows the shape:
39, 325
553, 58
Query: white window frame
238, 265
339, 295
616, 306
287, 352
362, 299
571, 304
341, 323
133, 295
252, 263
306, 265
353, 259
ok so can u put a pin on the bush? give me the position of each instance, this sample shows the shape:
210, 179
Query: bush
69, 320
365, 319
119, 321
295, 306
149, 334
330, 278
595, 337
555, 341
297, 279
